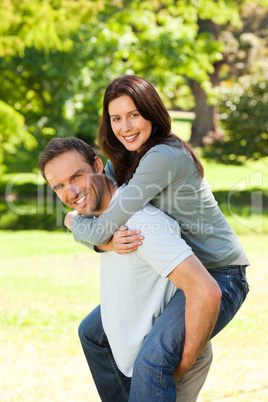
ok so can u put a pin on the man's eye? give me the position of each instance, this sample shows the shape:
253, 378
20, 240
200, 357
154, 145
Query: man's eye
57, 187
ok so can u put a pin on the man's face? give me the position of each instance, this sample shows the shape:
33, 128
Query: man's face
76, 183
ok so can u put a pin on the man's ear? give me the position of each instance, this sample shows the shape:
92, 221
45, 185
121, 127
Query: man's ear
98, 165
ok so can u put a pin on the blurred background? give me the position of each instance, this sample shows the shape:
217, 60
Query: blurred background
206, 58
209, 62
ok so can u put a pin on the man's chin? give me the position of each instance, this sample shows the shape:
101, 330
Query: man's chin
84, 212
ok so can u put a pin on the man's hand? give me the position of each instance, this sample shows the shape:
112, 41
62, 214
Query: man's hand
69, 218
185, 364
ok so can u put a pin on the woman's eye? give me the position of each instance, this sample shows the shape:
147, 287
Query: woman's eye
115, 119
134, 115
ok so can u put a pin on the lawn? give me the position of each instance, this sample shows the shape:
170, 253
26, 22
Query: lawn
48, 283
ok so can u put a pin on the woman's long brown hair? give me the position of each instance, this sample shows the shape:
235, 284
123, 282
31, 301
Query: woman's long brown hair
151, 107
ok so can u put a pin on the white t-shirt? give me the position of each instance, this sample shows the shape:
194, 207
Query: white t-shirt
134, 287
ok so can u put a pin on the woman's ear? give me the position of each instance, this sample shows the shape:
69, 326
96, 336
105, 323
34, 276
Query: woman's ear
98, 165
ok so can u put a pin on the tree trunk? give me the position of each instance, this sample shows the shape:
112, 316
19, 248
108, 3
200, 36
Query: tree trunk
205, 127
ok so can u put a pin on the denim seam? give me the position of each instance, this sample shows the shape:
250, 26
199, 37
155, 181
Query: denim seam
116, 369
165, 365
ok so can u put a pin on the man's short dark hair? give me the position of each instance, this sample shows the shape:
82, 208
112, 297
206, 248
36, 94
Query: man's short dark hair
58, 146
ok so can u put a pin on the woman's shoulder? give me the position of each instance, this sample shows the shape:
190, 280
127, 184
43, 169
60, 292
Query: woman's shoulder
167, 152
159, 154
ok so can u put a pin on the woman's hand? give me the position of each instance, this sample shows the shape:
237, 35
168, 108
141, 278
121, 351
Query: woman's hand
69, 218
124, 241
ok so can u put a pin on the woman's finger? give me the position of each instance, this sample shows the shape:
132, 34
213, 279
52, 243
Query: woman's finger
128, 239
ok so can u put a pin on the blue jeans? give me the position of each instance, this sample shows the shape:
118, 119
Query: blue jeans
161, 351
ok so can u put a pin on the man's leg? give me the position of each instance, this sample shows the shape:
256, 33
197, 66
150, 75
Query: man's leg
190, 383
111, 384
160, 354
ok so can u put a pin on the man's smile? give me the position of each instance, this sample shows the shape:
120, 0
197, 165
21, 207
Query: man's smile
81, 199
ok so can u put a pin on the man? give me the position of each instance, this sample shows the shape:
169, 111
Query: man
137, 323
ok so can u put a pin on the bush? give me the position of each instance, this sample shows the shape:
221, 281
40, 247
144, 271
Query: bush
26, 202
243, 113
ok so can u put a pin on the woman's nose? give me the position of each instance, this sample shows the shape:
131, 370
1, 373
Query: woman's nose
126, 125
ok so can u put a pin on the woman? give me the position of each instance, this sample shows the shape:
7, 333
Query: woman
135, 134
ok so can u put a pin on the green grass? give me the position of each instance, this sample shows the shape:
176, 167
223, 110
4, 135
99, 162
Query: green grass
48, 283
28, 243
181, 125
240, 178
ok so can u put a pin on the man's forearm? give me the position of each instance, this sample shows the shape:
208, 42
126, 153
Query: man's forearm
203, 296
201, 314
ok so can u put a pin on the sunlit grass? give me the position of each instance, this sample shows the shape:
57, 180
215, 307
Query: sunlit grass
26, 243
239, 369
45, 296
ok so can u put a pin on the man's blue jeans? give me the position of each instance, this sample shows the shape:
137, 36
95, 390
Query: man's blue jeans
161, 351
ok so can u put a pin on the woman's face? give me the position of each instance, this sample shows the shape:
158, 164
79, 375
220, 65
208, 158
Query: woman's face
130, 128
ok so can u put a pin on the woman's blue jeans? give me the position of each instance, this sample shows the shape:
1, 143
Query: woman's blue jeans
161, 351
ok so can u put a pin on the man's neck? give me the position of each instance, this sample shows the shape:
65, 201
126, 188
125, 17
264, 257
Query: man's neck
109, 190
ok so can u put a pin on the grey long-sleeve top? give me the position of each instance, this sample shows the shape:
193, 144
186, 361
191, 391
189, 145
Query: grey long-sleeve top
168, 178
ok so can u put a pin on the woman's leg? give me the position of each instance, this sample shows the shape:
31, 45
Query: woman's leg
111, 384
233, 283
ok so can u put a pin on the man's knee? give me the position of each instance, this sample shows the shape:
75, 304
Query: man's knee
90, 327
154, 357
81, 329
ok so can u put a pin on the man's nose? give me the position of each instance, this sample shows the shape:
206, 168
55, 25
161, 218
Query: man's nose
72, 191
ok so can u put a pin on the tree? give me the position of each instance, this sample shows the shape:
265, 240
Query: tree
243, 109
12, 131
58, 57
175, 44
37, 53
42, 24
241, 50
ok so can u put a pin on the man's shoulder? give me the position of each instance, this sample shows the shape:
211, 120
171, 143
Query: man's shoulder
152, 221
151, 218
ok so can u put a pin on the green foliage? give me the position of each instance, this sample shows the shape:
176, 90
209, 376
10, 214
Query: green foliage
12, 131
42, 24
243, 109
56, 59
42, 54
